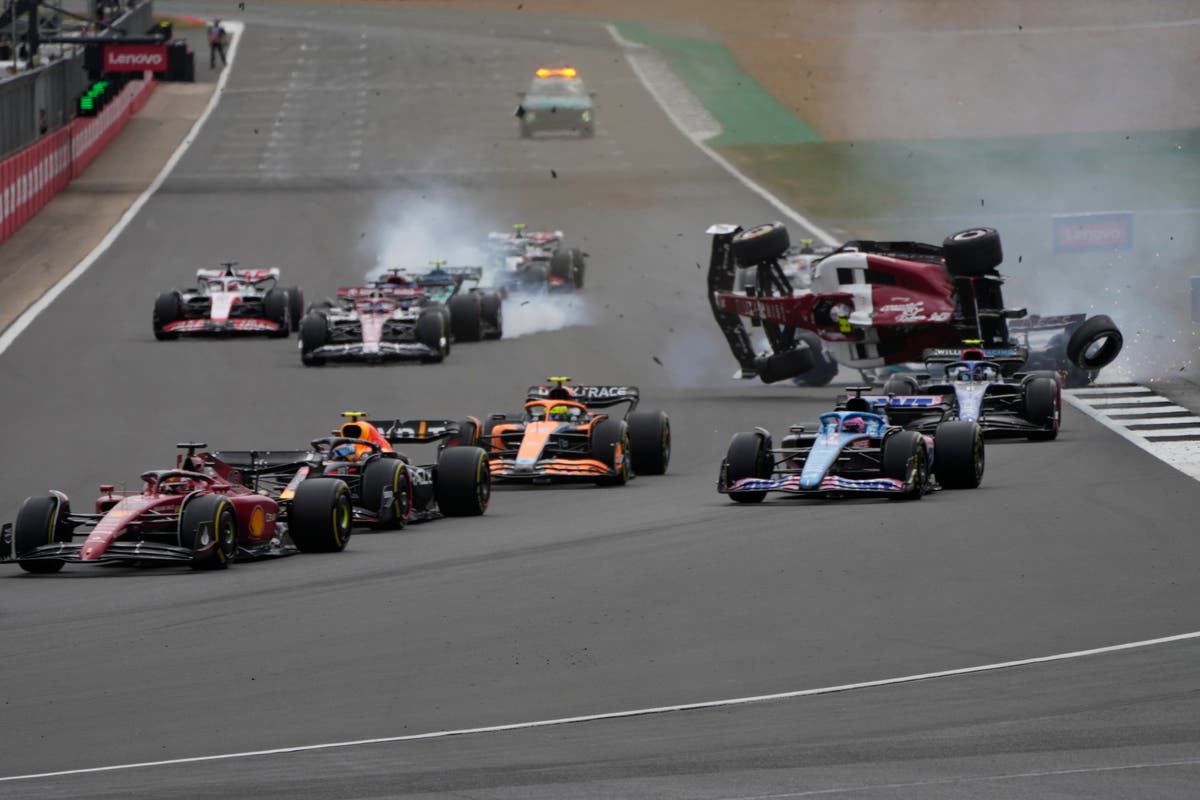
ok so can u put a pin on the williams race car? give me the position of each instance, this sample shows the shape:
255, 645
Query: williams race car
855, 450
561, 437
534, 261
385, 489
198, 514
557, 100
883, 303
229, 301
973, 388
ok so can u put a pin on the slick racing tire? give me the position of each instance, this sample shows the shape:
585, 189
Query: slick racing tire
466, 317
168, 308
41, 520
314, 333
973, 252
493, 315
322, 516
295, 306
578, 266
561, 267
1095, 344
1043, 407
463, 483
904, 454
901, 385
536, 277
649, 442
749, 456
958, 455
277, 309
824, 368
468, 435
789, 364
610, 446
432, 332
760, 244
208, 527
382, 477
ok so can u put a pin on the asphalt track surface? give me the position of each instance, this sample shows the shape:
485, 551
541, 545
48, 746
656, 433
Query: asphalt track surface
559, 602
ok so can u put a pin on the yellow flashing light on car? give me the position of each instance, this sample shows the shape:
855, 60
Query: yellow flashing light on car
565, 72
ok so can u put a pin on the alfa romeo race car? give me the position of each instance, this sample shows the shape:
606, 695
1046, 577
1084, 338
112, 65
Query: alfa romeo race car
383, 322
855, 450
385, 489
972, 387
534, 261
229, 301
474, 311
557, 100
561, 436
198, 513
882, 303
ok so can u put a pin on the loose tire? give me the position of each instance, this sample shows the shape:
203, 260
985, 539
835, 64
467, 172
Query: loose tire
168, 308
431, 332
824, 368
610, 446
322, 516
760, 244
1095, 344
788, 364
314, 333
208, 527
649, 442
973, 252
958, 455
295, 306
277, 309
903, 454
463, 484
749, 456
466, 317
41, 520
381, 478
1043, 407
491, 308
901, 385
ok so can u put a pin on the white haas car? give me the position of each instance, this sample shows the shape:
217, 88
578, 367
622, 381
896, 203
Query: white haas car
229, 301
534, 261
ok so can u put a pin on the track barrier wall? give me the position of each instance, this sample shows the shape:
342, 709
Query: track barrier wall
31, 177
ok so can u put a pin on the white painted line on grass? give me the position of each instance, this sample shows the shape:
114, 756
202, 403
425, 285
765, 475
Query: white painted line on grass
27, 317
637, 712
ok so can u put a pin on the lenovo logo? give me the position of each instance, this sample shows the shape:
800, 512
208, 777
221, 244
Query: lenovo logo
135, 58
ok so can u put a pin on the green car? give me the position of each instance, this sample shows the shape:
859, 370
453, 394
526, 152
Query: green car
557, 100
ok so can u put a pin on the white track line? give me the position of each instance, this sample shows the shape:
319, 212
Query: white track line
27, 317
1184, 458
637, 712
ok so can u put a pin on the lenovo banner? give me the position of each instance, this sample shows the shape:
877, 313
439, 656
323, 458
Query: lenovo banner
135, 58
1075, 233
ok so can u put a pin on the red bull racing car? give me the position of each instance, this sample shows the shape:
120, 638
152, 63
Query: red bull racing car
229, 301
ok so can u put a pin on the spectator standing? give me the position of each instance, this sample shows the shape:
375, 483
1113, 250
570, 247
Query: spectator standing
216, 44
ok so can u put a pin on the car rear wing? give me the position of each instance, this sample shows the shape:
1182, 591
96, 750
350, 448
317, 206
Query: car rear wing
380, 290
417, 431
255, 462
1009, 359
251, 275
592, 396
1035, 323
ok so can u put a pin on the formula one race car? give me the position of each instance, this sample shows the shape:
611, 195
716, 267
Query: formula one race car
557, 100
473, 311
385, 489
534, 261
883, 303
383, 322
561, 437
229, 301
856, 450
972, 387
198, 514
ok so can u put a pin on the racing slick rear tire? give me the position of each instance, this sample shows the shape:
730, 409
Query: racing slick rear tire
788, 364
903, 458
493, 315
41, 520
649, 442
1095, 344
431, 332
385, 476
824, 368
760, 244
610, 446
168, 308
322, 516
463, 483
901, 385
958, 455
314, 333
578, 266
466, 317
208, 527
749, 456
468, 435
277, 309
1043, 407
973, 252
295, 306
561, 267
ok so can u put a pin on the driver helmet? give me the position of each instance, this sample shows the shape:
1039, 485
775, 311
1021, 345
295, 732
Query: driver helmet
854, 425
559, 412
964, 374
176, 485
344, 452
984, 373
